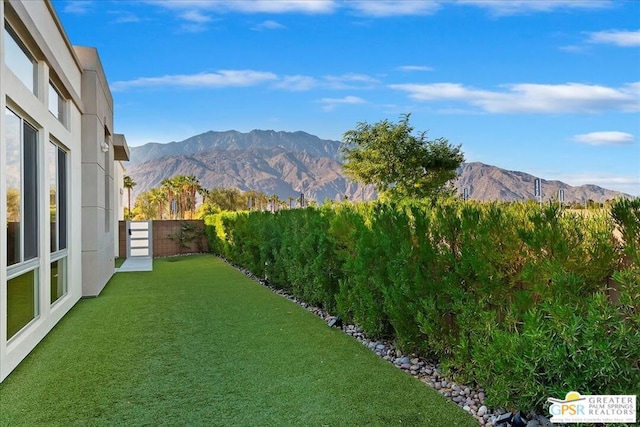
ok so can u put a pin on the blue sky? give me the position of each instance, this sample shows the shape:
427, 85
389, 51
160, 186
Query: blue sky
551, 88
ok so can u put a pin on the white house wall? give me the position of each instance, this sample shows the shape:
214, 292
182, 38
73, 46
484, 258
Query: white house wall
88, 109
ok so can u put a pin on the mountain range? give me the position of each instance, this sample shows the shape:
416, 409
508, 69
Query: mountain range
290, 163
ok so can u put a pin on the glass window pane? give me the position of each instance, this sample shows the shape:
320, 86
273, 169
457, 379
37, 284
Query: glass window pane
56, 102
53, 195
30, 191
62, 199
58, 279
14, 187
53, 100
21, 302
18, 60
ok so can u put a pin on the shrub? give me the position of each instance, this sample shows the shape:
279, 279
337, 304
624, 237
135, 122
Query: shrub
511, 296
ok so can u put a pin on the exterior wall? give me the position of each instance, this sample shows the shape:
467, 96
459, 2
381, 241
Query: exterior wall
163, 245
91, 201
39, 29
98, 171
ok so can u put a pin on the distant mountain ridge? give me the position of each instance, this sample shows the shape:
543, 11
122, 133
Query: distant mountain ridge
233, 140
485, 182
290, 163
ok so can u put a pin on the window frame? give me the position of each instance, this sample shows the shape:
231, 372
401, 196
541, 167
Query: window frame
32, 265
59, 252
35, 227
60, 103
13, 35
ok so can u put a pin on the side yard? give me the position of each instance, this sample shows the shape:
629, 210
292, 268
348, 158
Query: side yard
195, 342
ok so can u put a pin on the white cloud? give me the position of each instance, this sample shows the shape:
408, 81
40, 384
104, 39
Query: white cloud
349, 81
253, 6
268, 25
330, 103
124, 17
297, 83
604, 138
616, 37
382, 8
78, 7
195, 16
346, 100
376, 8
221, 79
516, 7
410, 68
531, 98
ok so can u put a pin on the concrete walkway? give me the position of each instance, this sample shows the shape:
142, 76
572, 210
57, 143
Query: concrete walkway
136, 264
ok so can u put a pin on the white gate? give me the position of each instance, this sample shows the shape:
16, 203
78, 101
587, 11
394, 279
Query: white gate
139, 239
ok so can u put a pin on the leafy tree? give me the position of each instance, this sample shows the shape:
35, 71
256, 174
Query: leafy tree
398, 163
145, 207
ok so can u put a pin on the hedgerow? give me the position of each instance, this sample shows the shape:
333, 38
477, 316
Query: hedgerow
527, 302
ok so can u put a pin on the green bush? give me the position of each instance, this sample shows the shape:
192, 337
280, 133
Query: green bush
511, 296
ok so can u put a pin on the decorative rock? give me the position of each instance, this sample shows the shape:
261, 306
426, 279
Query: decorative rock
544, 421
415, 367
482, 411
405, 359
380, 347
444, 383
467, 408
405, 366
437, 385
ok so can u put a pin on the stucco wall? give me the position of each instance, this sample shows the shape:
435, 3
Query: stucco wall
56, 62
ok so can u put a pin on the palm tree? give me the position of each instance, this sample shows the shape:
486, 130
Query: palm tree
129, 183
158, 196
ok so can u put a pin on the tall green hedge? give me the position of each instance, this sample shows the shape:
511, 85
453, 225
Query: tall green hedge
512, 296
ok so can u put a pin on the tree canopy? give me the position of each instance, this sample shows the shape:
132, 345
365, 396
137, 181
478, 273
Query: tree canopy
399, 163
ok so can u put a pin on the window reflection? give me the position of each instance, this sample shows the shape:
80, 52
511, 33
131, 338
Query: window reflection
18, 59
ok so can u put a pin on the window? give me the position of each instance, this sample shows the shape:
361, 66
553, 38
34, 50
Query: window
22, 301
22, 189
22, 222
58, 279
56, 103
58, 197
58, 219
18, 59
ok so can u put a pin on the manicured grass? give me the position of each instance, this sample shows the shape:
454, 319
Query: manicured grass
197, 343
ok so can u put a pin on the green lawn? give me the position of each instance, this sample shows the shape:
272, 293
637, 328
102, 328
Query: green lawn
197, 343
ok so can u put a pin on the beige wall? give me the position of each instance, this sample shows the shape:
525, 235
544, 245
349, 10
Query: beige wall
98, 207
37, 27
92, 204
